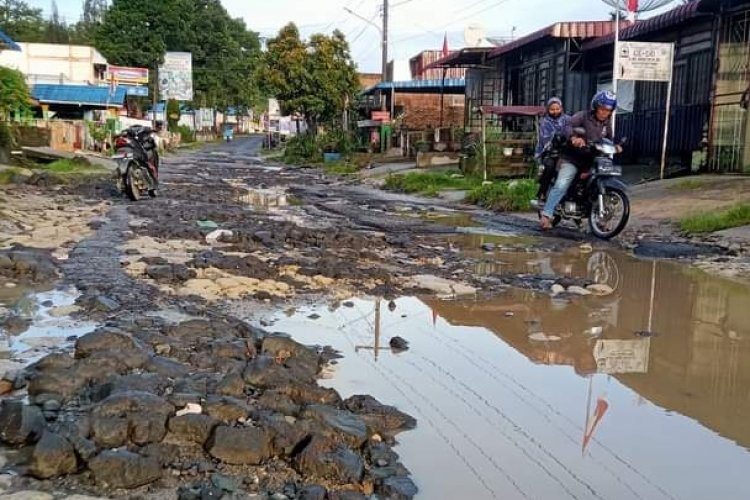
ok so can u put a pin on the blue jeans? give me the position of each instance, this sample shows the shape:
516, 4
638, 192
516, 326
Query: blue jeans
565, 176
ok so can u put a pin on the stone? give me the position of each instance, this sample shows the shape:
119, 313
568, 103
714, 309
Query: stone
124, 469
5, 387
193, 428
344, 425
231, 385
323, 459
399, 344
312, 492
380, 418
557, 289
19, 423
578, 290
53, 456
251, 446
228, 410
143, 417
105, 340
27, 495
52, 405
398, 488
600, 289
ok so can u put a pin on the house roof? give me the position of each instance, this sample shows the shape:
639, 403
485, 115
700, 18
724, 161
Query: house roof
81, 95
464, 58
670, 18
6, 43
583, 29
451, 86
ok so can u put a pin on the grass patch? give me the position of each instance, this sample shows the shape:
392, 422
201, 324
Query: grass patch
430, 183
69, 167
687, 185
341, 168
7, 175
708, 222
508, 196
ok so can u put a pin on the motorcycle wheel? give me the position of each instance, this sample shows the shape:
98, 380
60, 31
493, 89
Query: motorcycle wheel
133, 181
610, 225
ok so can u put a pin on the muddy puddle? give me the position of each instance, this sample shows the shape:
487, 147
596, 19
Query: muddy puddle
642, 393
36, 324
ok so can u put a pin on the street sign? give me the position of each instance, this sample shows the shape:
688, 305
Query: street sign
645, 61
137, 91
176, 76
615, 356
122, 74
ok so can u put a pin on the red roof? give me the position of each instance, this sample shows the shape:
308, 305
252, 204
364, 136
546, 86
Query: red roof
583, 29
667, 20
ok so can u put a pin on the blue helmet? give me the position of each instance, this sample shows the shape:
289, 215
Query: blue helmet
604, 99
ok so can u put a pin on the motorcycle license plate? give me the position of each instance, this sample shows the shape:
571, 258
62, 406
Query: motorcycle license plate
121, 157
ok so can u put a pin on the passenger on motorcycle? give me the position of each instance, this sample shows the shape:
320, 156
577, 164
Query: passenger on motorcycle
554, 123
598, 125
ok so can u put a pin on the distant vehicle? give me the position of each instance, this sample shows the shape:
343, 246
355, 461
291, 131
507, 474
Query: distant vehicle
228, 133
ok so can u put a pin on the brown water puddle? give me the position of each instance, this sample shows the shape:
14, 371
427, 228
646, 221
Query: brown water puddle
526, 396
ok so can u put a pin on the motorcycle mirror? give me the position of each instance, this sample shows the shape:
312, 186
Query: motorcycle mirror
579, 131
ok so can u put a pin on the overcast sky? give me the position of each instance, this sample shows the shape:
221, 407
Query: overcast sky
415, 25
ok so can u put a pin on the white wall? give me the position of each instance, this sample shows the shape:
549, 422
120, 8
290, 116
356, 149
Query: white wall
53, 63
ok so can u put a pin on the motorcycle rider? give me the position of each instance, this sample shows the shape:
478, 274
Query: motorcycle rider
554, 122
598, 125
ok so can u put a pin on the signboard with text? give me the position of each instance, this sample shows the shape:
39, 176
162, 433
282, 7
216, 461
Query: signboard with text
137, 91
122, 74
176, 76
645, 61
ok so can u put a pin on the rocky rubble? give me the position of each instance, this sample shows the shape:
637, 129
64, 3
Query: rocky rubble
206, 408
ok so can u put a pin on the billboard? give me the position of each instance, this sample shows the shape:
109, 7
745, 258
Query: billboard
176, 76
122, 74
645, 61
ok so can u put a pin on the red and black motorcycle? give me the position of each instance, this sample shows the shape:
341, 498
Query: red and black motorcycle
137, 162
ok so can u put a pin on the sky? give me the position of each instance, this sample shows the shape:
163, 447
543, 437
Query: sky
416, 25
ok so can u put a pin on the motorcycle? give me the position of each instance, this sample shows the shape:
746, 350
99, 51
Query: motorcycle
597, 194
137, 173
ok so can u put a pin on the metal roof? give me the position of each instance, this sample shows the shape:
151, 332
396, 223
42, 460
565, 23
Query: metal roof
7, 44
464, 58
81, 95
420, 86
582, 29
640, 28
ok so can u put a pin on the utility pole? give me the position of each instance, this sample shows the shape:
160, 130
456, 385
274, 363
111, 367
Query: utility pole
385, 49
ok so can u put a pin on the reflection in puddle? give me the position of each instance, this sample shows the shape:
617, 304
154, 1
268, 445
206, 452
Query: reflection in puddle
259, 198
602, 412
51, 327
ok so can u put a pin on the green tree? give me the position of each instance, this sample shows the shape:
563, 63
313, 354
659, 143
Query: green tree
317, 78
14, 94
56, 30
173, 114
84, 31
22, 22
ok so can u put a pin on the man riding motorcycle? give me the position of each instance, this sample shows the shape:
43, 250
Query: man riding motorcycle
598, 125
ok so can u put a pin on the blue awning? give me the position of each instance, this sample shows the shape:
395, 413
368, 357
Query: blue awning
449, 86
7, 44
81, 95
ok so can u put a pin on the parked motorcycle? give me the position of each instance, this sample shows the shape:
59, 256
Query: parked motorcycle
597, 194
137, 158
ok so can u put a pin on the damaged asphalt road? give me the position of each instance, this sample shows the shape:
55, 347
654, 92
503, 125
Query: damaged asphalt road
172, 394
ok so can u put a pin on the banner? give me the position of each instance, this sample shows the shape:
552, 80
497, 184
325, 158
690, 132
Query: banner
122, 74
645, 61
176, 76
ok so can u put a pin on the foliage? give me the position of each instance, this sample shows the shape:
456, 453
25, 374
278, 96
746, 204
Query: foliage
225, 52
6, 137
173, 115
97, 132
302, 149
341, 168
22, 22
186, 134
316, 78
687, 185
429, 183
709, 222
508, 196
14, 94
70, 167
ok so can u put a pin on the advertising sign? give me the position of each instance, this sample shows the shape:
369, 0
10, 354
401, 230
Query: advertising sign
176, 76
122, 74
645, 61
137, 91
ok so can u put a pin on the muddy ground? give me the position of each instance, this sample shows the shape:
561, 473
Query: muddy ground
172, 389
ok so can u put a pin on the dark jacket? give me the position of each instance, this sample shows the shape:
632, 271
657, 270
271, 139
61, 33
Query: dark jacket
548, 129
595, 131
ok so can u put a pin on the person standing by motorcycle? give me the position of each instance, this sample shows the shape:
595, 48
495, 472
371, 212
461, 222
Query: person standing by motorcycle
554, 123
598, 125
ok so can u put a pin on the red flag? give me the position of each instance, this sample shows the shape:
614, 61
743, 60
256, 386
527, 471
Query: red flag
632, 5
445, 45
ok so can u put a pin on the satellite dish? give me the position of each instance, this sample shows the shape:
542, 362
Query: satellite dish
474, 35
